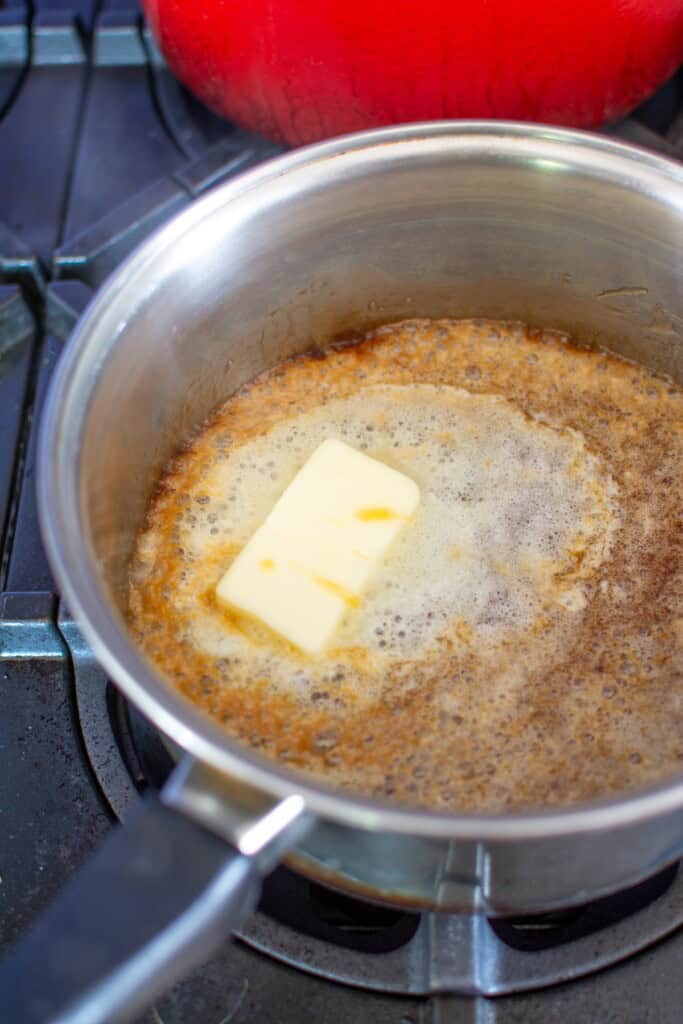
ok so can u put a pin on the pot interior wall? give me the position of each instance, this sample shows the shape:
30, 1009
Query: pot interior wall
343, 244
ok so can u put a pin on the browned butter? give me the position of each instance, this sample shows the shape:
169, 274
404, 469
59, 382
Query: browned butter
521, 646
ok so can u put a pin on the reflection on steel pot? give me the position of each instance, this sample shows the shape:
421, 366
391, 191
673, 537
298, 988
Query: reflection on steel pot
507, 221
301, 70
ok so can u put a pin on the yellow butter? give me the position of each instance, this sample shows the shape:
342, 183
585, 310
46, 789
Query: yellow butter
311, 559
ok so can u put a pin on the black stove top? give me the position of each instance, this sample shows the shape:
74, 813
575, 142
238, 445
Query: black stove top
98, 146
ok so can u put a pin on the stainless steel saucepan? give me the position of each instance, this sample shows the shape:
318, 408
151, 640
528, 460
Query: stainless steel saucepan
555, 228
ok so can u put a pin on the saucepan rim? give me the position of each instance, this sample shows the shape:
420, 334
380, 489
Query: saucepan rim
73, 561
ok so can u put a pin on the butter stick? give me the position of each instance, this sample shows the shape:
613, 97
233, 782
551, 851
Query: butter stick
310, 561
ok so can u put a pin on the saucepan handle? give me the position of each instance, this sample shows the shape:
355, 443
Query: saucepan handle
160, 894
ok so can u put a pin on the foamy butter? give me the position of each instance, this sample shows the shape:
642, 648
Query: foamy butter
518, 649
313, 556
514, 517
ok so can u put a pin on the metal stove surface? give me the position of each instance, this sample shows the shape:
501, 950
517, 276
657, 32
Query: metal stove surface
98, 146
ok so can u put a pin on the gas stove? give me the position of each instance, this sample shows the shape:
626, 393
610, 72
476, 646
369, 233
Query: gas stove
99, 145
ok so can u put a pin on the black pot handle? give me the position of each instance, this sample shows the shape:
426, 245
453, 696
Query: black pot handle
159, 895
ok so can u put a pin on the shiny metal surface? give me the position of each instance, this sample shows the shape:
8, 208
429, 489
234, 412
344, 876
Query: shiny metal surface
556, 228
246, 817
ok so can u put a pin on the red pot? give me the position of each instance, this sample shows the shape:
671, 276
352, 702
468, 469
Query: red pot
301, 70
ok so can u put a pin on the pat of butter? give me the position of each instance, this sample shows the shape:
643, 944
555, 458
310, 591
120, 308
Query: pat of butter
313, 556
